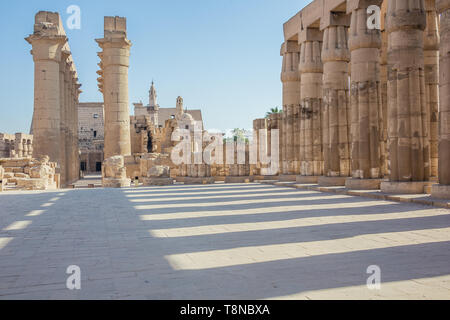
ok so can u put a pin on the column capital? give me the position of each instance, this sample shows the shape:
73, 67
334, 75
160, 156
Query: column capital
46, 47
310, 34
353, 5
289, 47
331, 19
405, 14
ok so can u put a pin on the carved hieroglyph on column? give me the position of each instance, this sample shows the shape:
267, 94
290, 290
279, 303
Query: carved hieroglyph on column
431, 60
442, 190
114, 85
408, 119
290, 78
336, 105
311, 69
365, 99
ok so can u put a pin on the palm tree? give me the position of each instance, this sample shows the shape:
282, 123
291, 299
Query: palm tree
273, 111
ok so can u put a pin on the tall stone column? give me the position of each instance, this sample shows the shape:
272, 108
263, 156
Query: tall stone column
366, 104
290, 78
336, 105
115, 63
383, 84
311, 69
442, 190
408, 119
47, 41
64, 131
431, 60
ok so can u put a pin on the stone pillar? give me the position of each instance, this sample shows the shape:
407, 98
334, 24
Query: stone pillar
64, 118
18, 145
47, 41
30, 147
408, 119
442, 190
366, 105
290, 78
431, 60
114, 64
336, 105
311, 69
383, 85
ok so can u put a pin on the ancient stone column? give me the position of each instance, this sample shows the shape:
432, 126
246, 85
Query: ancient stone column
18, 145
442, 190
64, 130
290, 78
115, 63
431, 60
408, 119
383, 86
366, 105
47, 41
310, 135
336, 105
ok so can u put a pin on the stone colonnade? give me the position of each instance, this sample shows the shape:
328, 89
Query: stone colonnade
56, 94
19, 145
373, 102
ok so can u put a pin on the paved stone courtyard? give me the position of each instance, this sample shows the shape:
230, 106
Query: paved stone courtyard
248, 241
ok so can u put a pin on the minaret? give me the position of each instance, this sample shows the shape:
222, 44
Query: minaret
153, 96
179, 108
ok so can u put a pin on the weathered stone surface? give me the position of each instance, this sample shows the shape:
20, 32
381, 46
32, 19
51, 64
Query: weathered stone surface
362, 184
412, 187
199, 180
158, 181
440, 191
238, 179
56, 93
113, 83
2, 178
408, 119
336, 104
159, 172
366, 105
35, 184
114, 173
307, 179
443, 7
324, 181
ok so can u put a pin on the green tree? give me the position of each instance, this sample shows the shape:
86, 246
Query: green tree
273, 111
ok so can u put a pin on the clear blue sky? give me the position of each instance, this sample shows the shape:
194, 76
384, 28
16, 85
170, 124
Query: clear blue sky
220, 55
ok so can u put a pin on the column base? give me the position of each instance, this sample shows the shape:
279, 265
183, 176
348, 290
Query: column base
363, 184
440, 191
307, 179
199, 180
287, 177
331, 181
265, 177
240, 179
219, 178
116, 183
158, 181
410, 187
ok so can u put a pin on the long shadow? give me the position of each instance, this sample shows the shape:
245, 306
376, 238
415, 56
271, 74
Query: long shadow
101, 231
332, 231
272, 216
